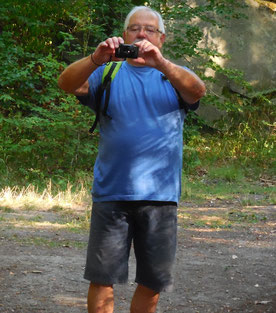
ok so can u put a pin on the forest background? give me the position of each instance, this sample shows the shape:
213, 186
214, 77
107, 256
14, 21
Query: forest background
44, 132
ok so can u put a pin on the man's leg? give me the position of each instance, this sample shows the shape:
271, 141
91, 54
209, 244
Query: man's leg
100, 298
144, 300
155, 247
107, 254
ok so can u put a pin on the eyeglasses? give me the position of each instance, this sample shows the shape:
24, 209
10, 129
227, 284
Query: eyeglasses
148, 29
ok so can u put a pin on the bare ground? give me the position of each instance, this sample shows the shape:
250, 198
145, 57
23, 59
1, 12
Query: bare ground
219, 268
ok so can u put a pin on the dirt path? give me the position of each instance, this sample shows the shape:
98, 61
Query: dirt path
228, 268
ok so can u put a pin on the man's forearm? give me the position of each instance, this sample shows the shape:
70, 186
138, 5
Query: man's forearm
74, 78
76, 74
189, 85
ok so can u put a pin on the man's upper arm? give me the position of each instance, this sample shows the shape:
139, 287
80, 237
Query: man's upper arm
83, 90
87, 93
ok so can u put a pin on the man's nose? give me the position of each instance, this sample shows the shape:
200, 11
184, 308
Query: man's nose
142, 33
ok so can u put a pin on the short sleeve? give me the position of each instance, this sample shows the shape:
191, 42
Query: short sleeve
94, 82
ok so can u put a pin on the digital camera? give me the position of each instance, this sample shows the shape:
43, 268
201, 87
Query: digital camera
127, 51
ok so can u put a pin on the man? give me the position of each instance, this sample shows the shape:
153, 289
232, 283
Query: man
137, 173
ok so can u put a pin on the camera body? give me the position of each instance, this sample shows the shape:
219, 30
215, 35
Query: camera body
127, 51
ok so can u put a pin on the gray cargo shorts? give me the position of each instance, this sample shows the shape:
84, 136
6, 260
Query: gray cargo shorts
150, 225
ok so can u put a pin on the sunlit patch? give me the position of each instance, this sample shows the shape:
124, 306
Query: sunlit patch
30, 198
208, 209
37, 225
262, 244
70, 301
207, 230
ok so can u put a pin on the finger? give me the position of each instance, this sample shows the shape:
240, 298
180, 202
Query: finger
114, 42
110, 43
145, 46
103, 44
121, 40
149, 48
104, 48
141, 43
103, 52
117, 41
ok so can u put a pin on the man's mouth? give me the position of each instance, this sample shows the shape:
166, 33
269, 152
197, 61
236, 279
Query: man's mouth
136, 40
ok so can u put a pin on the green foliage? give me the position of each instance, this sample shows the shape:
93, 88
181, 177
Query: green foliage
245, 132
185, 36
41, 129
44, 132
248, 132
228, 173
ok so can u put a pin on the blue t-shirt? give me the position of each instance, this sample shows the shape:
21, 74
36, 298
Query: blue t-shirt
140, 148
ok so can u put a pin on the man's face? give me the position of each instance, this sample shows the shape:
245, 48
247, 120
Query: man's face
144, 21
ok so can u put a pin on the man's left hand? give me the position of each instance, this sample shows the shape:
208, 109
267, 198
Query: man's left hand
149, 54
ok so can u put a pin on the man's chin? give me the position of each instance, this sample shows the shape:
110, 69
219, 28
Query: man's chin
136, 62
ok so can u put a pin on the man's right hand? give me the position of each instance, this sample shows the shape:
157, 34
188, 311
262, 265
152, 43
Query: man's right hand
105, 51
74, 79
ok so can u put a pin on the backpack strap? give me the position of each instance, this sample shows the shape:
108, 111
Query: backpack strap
97, 110
109, 74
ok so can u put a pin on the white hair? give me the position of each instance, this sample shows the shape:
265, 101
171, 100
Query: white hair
140, 8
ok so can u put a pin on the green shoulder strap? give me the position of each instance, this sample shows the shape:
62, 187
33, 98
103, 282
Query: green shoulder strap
109, 73
107, 70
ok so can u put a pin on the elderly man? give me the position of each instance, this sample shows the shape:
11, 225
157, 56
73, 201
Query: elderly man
137, 174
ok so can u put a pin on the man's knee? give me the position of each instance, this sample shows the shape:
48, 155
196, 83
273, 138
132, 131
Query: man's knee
100, 298
147, 292
144, 300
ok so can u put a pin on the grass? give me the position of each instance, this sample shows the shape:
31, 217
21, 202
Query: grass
227, 178
226, 195
228, 173
65, 220
221, 184
29, 198
225, 182
22, 208
187, 220
246, 192
249, 217
228, 182
219, 218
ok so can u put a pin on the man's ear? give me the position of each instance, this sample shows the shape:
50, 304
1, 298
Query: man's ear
163, 38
